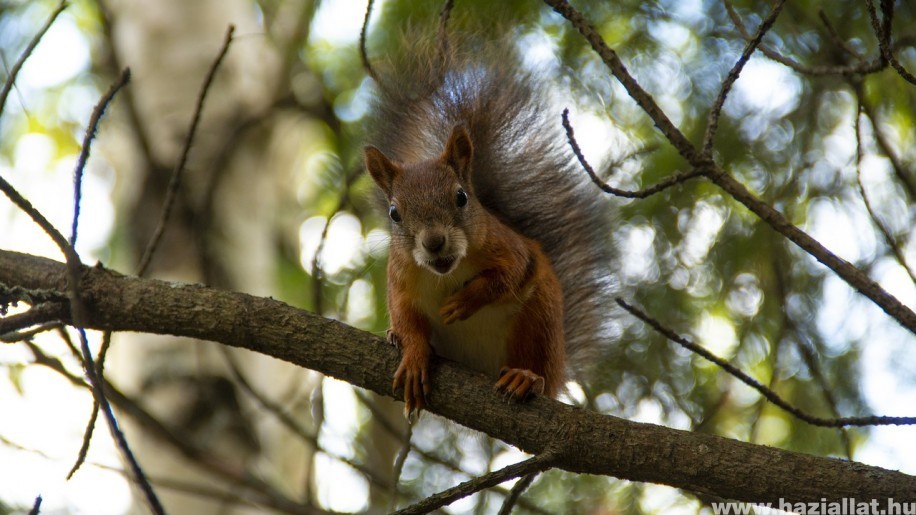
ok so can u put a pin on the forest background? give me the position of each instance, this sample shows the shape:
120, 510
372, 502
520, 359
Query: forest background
272, 201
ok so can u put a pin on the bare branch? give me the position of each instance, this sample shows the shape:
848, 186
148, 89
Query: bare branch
316, 270
38, 218
667, 183
363, 54
516, 492
753, 383
14, 71
91, 131
18, 336
87, 439
714, 113
885, 232
903, 175
292, 424
883, 33
94, 415
535, 464
36, 507
863, 68
175, 181
613, 62
837, 39
44, 313
849, 273
398, 468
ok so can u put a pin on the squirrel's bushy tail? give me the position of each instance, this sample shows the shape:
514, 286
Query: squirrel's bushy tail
523, 170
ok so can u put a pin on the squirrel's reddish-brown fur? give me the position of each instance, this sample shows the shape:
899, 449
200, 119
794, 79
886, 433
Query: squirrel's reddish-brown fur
505, 269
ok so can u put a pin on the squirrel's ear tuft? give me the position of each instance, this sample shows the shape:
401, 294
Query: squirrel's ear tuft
459, 151
382, 169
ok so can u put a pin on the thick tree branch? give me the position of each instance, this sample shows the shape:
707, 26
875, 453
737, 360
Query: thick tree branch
585, 442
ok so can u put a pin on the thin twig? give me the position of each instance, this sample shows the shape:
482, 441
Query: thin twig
18, 336
640, 95
175, 181
38, 218
667, 183
849, 273
292, 424
810, 357
98, 394
379, 416
753, 383
885, 232
44, 313
714, 113
94, 415
363, 54
773, 364
36, 507
883, 33
862, 68
516, 492
537, 463
900, 171
14, 71
837, 39
780, 272
316, 270
398, 468
87, 439
853, 276
91, 131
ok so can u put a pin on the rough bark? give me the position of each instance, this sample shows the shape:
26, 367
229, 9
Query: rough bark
584, 441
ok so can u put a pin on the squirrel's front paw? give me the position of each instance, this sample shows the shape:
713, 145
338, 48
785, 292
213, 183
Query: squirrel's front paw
519, 383
456, 308
413, 376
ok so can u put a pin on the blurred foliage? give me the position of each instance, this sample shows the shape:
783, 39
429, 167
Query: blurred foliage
693, 257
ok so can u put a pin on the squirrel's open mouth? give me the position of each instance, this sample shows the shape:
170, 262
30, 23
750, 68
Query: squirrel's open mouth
443, 265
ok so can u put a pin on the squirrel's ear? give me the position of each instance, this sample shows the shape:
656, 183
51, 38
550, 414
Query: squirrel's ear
459, 151
382, 169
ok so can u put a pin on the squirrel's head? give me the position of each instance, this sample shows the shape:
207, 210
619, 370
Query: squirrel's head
431, 203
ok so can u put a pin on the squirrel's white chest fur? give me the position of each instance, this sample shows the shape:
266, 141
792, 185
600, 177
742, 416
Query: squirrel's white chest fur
479, 342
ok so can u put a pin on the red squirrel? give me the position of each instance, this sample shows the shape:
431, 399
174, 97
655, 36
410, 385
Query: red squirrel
500, 248
463, 282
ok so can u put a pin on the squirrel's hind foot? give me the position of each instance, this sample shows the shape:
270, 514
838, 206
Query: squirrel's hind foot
519, 383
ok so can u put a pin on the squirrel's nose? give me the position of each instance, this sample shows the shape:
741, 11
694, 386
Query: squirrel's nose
434, 242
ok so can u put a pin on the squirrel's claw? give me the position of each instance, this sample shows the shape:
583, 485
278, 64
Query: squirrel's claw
519, 383
392, 338
457, 307
413, 377
453, 311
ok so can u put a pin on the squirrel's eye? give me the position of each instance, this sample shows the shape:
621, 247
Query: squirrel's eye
462, 198
393, 214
